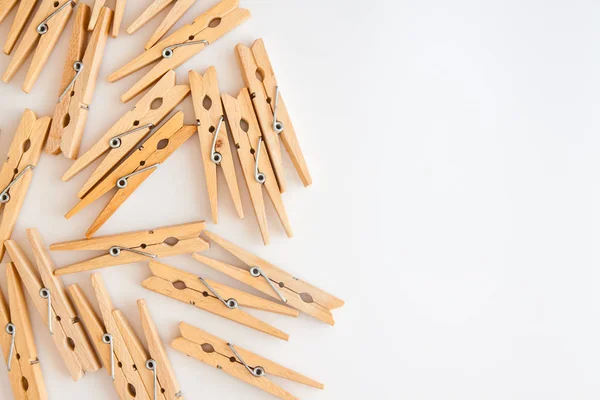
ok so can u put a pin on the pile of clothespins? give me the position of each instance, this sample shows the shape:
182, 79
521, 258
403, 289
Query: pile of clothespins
256, 120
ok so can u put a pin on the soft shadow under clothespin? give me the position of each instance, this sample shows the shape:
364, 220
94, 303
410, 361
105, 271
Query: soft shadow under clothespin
18, 343
84, 59
214, 297
177, 11
273, 281
130, 247
182, 45
52, 303
236, 361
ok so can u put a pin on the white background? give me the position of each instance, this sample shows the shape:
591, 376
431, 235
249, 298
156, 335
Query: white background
453, 151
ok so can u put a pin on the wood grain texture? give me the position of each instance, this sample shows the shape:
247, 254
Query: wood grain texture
119, 13
226, 13
98, 5
178, 10
150, 12
209, 111
19, 23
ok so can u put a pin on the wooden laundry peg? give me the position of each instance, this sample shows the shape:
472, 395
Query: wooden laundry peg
182, 45
214, 138
179, 8
53, 305
18, 343
271, 111
84, 59
237, 361
254, 159
18, 169
19, 23
119, 12
40, 38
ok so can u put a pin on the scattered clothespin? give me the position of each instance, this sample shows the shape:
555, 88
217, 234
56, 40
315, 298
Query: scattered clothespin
182, 45
40, 37
119, 10
132, 370
52, 303
129, 130
271, 111
18, 343
78, 83
134, 170
17, 170
214, 297
237, 362
273, 281
214, 138
19, 23
254, 159
130, 247
179, 8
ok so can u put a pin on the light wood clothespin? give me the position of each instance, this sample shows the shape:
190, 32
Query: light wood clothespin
179, 8
273, 281
119, 11
129, 130
214, 297
19, 23
214, 138
52, 303
40, 37
18, 342
271, 111
237, 362
182, 45
17, 170
78, 83
254, 159
134, 170
130, 247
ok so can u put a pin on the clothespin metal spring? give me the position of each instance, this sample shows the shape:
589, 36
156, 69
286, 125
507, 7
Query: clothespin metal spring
230, 303
115, 141
42, 28
108, 339
215, 156
4, 195
168, 51
259, 176
151, 365
256, 272
277, 125
115, 251
45, 294
122, 182
11, 330
256, 371
78, 67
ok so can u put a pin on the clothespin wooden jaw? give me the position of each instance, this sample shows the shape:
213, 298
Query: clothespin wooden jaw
53, 305
271, 111
119, 12
214, 141
135, 246
182, 45
19, 23
18, 343
179, 8
273, 281
129, 130
134, 170
236, 361
17, 171
254, 160
40, 38
78, 83
214, 297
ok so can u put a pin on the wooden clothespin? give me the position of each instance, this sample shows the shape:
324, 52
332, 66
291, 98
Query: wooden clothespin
254, 159
119, 10
214, 297
129, 130
17, 170
19, 23
52, 303
182, 45
271, 111
214, 138
78, 83
130, 247
237, 362
273, 281
134, 170
40, 37
18, 342
179, 8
